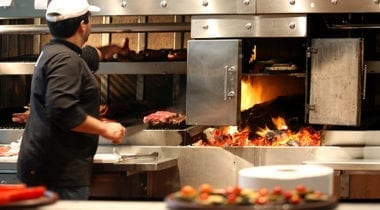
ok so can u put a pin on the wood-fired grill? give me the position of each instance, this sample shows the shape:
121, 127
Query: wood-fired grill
284, 33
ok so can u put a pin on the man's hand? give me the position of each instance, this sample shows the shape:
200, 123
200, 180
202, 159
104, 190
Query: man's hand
113, 131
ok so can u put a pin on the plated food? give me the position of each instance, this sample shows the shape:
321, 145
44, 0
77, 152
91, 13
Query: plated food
206, 197
20, 195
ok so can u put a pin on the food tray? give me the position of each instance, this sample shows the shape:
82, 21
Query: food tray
176, 204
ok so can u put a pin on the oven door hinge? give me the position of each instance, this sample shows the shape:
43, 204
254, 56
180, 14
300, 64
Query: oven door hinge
311, 107
310, 51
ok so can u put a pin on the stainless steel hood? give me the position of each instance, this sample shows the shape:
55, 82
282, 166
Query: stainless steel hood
26, 8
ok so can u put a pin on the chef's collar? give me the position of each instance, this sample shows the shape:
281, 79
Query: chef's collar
67, 44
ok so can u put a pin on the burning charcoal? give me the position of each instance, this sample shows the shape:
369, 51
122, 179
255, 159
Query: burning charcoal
271, 135
260, 115
292, 143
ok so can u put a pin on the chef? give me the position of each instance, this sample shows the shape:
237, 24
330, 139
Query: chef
61, 134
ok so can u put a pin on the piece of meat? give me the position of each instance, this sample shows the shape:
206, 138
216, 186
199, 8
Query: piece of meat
164, 119
20, 117
177, 55
4, 150
126, 54
159, 117
176, 120
111, 52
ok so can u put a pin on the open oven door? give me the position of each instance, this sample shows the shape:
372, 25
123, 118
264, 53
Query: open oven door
213, 82
336, 81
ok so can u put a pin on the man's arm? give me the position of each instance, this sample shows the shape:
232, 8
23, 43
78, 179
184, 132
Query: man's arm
109, 130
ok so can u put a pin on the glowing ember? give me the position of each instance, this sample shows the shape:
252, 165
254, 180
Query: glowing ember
231, 136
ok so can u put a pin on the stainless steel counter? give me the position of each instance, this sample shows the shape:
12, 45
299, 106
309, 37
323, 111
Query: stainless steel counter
350, 165
110, 160
355, 174
121, 205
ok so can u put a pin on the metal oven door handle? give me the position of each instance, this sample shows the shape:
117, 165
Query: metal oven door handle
229, 82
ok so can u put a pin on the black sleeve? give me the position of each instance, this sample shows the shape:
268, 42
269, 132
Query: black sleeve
91, 57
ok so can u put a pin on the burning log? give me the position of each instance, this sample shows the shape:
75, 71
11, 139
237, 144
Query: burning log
291, 108
259, 127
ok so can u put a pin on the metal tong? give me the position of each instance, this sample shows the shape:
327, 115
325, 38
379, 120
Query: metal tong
151, 156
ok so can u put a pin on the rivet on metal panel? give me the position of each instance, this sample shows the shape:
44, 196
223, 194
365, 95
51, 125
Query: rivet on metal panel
164, 4
205, 3
292, 26
231, 93
231, 68
246, 2
292, 2
248, 26
334, 2
123, 3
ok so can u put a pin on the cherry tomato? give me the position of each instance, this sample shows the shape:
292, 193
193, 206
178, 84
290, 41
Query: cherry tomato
233, 190
261, 200
188, 190
204, 196
205, 188
277, 190
229, 190
237, 190
301, 189
287, 194
295, 199
231, 198
263, 191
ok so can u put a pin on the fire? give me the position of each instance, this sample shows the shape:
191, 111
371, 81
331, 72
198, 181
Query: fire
250, 93
262, 131
277, 134
280, 123
282, 136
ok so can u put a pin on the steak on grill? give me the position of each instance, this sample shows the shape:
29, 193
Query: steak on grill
164, 119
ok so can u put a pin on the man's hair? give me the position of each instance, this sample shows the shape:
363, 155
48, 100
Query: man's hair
66, 28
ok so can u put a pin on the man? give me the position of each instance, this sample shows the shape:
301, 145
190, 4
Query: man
61, 134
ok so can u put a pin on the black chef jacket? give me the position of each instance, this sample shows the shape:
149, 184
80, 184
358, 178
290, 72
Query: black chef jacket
63, 92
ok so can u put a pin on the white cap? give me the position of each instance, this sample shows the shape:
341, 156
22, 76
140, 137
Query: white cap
59, 10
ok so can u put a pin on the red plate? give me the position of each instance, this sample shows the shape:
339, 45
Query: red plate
175, 204
48, 198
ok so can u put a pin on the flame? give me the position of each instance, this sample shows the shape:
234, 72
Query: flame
231, 136
250, 93
262, 131
280, 123
232, 130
